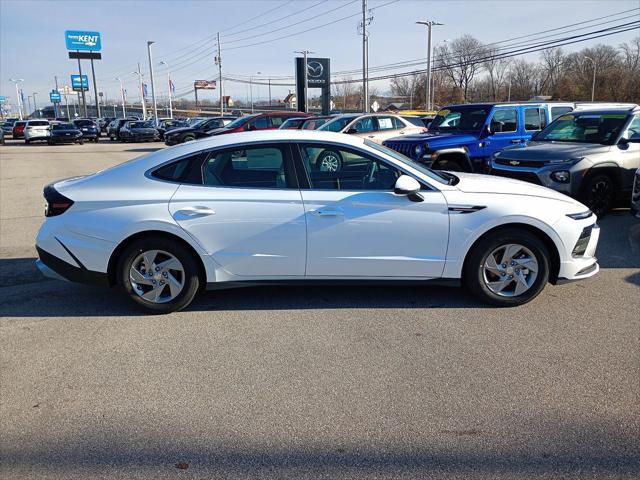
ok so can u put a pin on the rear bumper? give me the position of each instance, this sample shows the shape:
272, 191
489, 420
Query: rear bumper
56, 268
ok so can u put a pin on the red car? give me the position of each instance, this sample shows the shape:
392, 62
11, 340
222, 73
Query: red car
18, 130
257, 121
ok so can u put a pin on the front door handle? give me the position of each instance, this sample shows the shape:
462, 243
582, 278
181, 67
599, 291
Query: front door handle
328, 212
195, 212
516, 140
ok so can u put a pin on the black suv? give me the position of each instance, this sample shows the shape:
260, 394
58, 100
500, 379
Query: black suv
195, 131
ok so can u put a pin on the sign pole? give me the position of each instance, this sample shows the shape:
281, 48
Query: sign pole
55, 105
95, 89
84, 99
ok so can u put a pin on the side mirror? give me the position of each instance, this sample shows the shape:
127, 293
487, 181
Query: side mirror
352, 130
409, 186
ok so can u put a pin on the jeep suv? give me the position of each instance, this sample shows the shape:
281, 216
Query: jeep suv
591, 155
462, 138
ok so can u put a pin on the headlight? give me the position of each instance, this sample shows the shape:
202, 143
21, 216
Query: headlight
567, 161
580, 215
417, 151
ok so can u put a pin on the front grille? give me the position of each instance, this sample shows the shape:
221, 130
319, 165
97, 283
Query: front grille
524, 176
404, 148
520, 163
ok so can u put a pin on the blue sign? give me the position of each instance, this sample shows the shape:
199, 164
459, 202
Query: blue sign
77, 85
54, 96
81, 40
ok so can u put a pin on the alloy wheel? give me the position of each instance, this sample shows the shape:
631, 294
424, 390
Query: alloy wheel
510, 270
157, 276
330, 163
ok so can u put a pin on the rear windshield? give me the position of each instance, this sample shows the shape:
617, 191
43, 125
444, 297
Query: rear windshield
63, 126
38, 123
84, 123
140, 124
337, 124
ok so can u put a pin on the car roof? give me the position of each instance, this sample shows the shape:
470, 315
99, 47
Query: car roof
604, 111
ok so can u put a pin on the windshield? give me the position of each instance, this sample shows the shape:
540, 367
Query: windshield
437, 176
238, 122
584, 128
463, 118
140, 124
337, 124
63, 126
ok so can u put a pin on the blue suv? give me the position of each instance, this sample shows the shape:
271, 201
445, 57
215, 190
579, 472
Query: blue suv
462, 138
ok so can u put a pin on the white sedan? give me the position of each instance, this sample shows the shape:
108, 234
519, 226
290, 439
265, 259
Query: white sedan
261, 207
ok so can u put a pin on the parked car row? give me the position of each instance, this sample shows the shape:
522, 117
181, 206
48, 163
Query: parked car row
50, 131
589, 152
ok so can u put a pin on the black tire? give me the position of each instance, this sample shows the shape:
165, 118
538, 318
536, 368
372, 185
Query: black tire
191, 277
188, 138
49, 142
81, 142
598, 193
449, 165
329, 161
473, 276
27, 142
112, 138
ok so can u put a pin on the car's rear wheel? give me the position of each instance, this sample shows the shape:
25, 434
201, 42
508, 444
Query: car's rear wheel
188, 138
507, 268
159, 275
598, 194
329, 161
27, 142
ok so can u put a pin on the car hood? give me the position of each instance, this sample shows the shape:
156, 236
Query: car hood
476, 183
179, 130
553, 150
438, 139
219, 131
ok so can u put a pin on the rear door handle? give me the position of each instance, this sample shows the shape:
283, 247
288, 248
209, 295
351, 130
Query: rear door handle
328, 212
195, 212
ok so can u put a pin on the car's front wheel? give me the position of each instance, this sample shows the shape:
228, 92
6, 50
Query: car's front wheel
598, 194
507, 268
159, 275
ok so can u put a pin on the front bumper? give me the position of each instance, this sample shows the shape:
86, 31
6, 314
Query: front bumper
542, 176
583, 266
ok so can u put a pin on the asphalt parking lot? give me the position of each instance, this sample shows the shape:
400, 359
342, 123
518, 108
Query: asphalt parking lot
309, 382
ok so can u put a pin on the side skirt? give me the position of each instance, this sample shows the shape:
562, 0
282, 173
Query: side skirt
443, 282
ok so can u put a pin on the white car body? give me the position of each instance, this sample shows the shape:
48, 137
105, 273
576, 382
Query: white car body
37, 130
287, 234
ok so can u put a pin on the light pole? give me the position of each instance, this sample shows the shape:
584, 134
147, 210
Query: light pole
35, 107
153, 89
124, 113
251, 89
140, 81
20, 106
170, 87
29, 104
429, 24
593, 83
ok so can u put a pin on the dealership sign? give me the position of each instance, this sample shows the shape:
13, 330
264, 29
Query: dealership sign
79, 85
54, 96
205, 84
82, 40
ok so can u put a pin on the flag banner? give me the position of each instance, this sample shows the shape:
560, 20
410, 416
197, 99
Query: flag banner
144, 90
172, 86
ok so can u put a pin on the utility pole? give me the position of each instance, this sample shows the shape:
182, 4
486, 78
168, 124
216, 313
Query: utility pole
95, 89
124, 113
140, 77
427, 98
170, 87
153, 89
219, 63
269, 93
35, 107
18, 99
305, 53
365, 57
55, 105
593, 83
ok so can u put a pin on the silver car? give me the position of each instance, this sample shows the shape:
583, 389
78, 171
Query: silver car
591, 155
37, 130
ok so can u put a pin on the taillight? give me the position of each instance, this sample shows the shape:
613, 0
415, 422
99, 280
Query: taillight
57, 203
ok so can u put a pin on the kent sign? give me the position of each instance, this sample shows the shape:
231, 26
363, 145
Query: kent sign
81, 40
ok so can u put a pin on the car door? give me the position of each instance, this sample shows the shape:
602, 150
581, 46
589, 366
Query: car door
629, 153
505, 130
244, 207
365, 127
388, 127
534, 119
358, 227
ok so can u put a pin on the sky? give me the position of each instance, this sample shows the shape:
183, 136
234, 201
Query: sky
32, 37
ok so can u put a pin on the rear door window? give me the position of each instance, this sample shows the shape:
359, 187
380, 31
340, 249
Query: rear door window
534, 119
387, 123
559, 111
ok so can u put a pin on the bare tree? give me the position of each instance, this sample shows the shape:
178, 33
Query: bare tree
461, 60
552, 67
497, 69
406, 87
343, 92
523, 78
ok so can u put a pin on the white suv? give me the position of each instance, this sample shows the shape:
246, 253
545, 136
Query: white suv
37, 130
